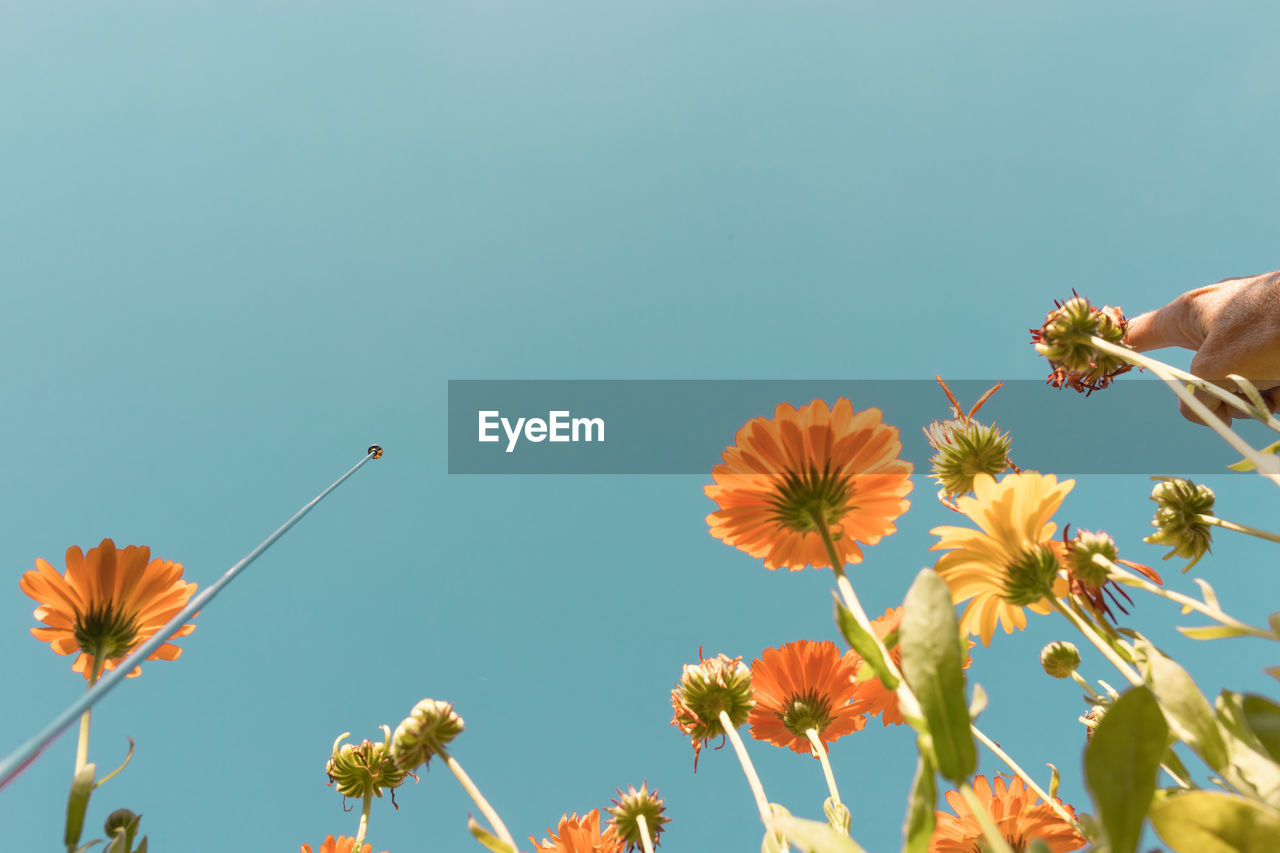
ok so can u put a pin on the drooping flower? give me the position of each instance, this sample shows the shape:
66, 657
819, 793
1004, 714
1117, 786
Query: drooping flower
1179, 505
629, 807
424, 733
364, 768
871, 693
341, 844
580, 835
1018, 813
107, 603
834, 463
714, 685
804, 685
1007, 563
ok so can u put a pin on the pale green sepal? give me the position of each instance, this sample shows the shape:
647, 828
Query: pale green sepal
487, 838
1185, 708
1213, 632
977, 702
1120, 765
1246, 465
78, 803
864, 644
813, 836
838, 817
917, 829
932, 663
1209, 822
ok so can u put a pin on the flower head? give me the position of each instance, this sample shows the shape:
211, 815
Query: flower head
1017, 812
714, 685
1089, 578
1005, 564
964, 449
788, 476
1059, 659
363, 768
342, 844
580, 835
1179, 505
107, 604
424, 733
629, 807
1064, 339
871, 693
804, 685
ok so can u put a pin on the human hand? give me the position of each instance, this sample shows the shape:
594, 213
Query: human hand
1234, 327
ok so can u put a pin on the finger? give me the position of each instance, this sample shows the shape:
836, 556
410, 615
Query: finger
1178, 324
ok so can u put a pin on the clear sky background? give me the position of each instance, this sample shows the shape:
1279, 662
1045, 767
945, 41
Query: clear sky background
240, 242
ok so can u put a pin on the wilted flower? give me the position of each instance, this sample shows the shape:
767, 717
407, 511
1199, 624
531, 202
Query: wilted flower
358, 769
1017, 812
1060, 659
1064, 339
628, 807
1179, 504
424, 733
714, 685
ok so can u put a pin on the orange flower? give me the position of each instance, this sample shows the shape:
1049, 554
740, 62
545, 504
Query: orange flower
107, 604
836, 463
804, 685
580, 835
1017, 812
343, 844
1008, 563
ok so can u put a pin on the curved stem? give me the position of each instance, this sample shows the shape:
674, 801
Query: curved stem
1216, 614
995, 841
820, 753
363, 829
1026, 777
749, 770
645, 840
1130, 674
481, 803
1238, 528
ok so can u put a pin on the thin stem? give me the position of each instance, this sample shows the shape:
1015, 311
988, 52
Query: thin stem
1127, 578
470, 787
995, 841
645, 840
1026, 777
1238, 528
1130, 674
749, 770
820, 753
1088, 688
1266, 464
363, 829
82, 744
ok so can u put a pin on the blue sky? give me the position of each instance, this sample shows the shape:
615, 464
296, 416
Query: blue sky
240, 242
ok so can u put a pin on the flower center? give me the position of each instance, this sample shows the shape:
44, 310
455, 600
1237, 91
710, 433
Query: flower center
1027, 579
105, 631
802, 495
808, 711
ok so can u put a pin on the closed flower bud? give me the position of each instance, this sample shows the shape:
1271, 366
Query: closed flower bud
964, 449
1080, 554
1030, 578
359, 769
1179, 505
632, 805
715, 684
1060, 659
424, 733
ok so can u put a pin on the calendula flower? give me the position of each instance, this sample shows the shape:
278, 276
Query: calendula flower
1179, 505
341, 844
109, 602
804, 685
580, 835
870, 693
1065, 340
1059, 659
1007, 563
363, 768
787, 475
1089, 579
1017, 812
424, 733
629, 807
715, 684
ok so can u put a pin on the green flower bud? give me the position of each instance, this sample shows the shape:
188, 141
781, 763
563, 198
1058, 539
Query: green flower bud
965, 449
1179, 503
715, 684
631, 805
359, 769
1081, 551
1060, 659
424, 733
1030, 578
1064, 339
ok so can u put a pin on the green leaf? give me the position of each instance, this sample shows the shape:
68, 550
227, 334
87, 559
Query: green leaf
487, 838
1246, 465
921, 817
774, 841
932, 663
1263, 717
142, 846
1250, 768
1206, 592
1186, 710
1210, 822
864, 644
95, 842
812, 836
78, 802
1212, 632
1121, 762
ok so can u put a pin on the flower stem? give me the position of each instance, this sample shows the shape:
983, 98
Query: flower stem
1025, 777
1266, 464
995, 841
1088, 688
82, 744
470, 787
1119, 575
749, 770
1238, 528
820, 753
1130, 674
645, 840
363, 829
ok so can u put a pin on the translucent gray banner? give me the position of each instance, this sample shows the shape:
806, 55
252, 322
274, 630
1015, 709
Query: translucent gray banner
681, 426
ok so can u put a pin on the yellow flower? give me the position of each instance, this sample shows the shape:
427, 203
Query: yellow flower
1007, 563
